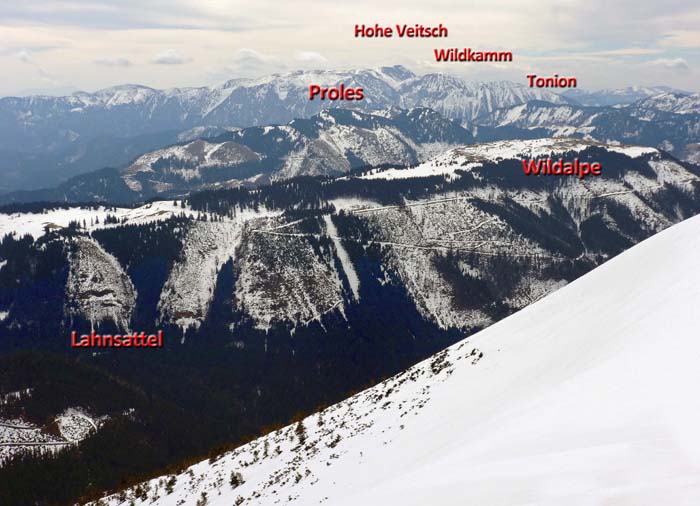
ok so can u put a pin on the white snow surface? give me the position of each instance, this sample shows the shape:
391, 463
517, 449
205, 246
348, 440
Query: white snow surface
34, 224
282, 278
423, 170
208, 245
632, 151
345, 261
466, 157
673, 102
587, 397
98, 287
75, 424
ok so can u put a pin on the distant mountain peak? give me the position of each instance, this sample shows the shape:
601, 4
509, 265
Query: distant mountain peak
617, 96
398, 72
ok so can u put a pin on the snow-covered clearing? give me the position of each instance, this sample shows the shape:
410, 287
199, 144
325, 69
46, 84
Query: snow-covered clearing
35, 224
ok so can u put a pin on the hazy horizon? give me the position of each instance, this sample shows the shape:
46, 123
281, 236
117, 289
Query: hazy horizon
67, 91
56, 47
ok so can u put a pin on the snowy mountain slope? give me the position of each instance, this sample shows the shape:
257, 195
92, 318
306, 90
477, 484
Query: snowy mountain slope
98, 287
465, 158
542, 114
614, 97
61, 137
639, 123
187, 294
281, 97
285, 278
455, 98
444, 250
417, 237
419, 232
585, 397
184, 163
421, 235
331, 142
36, 223
678, 103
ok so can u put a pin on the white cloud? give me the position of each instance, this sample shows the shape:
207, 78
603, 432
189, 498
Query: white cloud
250, 62
246, 56
671, 63
627, 51
682, 39
85, 35
24, 55
310, 57
113, 62
169, 57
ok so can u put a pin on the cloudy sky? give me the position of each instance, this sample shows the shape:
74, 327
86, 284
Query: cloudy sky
58, 46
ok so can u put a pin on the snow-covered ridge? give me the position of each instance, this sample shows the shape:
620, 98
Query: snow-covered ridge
458, 99
541, 114
272, 99
585, 397
466, 157
329, 143
672, 102
615, 97
35, 224
196, 155
665, 121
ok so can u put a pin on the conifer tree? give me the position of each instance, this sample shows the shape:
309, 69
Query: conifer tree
301, 433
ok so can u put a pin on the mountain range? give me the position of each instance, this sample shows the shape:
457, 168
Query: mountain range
641, 191
59, 137
332, 142
282, 297
296, 252
130, 143
613, 97
668, 121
